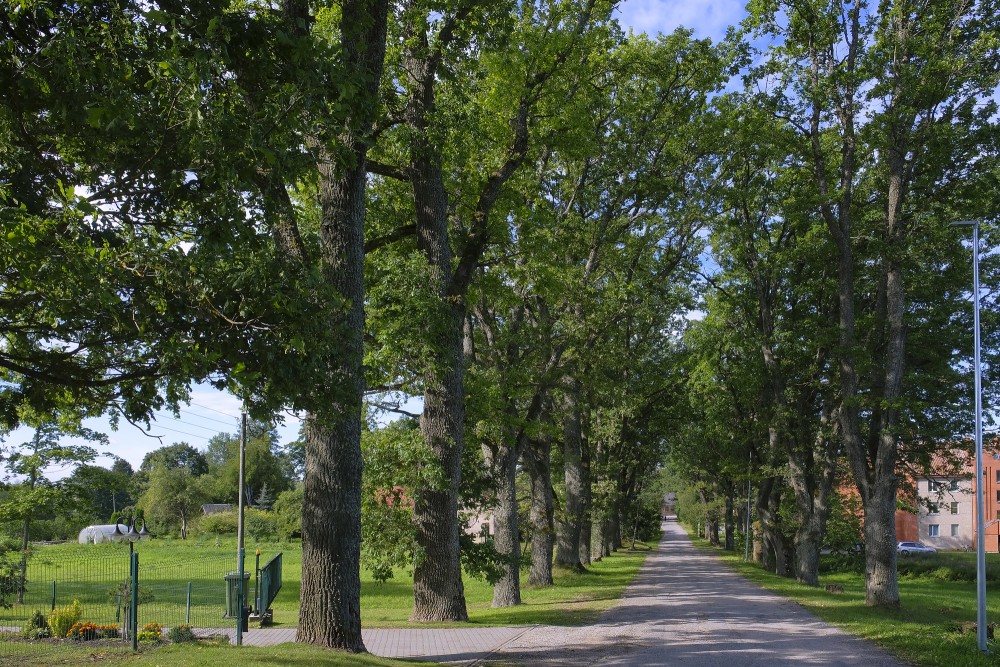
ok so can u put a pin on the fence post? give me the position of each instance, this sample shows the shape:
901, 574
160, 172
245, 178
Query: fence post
134, 615
187, 616
53, 595
256, 583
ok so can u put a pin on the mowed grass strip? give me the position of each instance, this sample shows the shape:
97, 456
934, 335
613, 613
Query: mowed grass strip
923, 631
167, 566
209, 654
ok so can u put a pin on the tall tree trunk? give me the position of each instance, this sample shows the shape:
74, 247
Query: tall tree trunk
438, 591
537, 463
614, 534
586, 503
507, 590
730, 519
874, 478
330, 593
568, 534
775, 550
330, 607
811, 478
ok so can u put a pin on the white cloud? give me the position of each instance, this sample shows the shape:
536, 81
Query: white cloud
708, 18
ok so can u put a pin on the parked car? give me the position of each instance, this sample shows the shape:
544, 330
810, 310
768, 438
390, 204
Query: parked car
906, 548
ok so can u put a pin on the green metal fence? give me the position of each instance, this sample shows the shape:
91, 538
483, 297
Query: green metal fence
47, 580
270, 584
98, 582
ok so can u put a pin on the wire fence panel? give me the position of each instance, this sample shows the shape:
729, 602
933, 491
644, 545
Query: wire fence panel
87, 594
65, 594
185, 592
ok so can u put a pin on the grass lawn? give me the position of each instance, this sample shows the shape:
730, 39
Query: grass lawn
207, 654
167, 567
921, 632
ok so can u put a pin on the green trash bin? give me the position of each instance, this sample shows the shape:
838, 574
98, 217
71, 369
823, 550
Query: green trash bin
233, 593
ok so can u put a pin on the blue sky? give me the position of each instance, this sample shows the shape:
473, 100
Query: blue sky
213, 412
708, 18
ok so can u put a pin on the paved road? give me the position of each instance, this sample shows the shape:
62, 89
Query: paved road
685, 608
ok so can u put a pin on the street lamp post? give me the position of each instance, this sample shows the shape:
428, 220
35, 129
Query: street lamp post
980, 501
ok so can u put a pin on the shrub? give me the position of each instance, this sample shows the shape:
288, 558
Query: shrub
62, 619
288, 513
260, 525
182, 633
37, 627
151, 632
220, 523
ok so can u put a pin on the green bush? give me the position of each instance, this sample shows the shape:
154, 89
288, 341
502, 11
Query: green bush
221, 523
37, 627
288, 513
181, 633
62, 619
260, 524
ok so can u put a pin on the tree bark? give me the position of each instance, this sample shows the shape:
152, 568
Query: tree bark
568, 534
586, 502
730, 520
330, 597
811, 479
438, 591
507, 591
537, 462
775, 549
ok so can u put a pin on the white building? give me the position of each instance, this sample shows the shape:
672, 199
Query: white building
100, 534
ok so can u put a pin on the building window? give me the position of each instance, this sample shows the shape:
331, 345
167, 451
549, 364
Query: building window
998, 496
998, 476
954, 530
933, 530
932, 508
954, 508
953, 485
934, 485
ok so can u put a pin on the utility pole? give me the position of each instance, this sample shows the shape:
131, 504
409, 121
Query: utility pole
239, 531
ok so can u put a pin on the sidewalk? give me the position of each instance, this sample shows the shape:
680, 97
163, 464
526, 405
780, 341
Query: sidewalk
464, 646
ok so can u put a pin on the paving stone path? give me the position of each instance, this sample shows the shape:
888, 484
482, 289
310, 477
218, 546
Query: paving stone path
684, 608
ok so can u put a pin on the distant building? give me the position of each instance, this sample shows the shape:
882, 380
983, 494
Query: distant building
669, 505
216, 508
946, 513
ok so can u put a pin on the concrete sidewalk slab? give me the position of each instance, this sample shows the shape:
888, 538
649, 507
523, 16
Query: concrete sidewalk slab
463, 646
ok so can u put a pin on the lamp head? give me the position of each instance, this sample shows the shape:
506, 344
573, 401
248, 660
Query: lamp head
964, 223
133, 534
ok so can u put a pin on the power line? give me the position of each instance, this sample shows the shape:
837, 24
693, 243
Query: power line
205, 407
211, 419
193, 435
